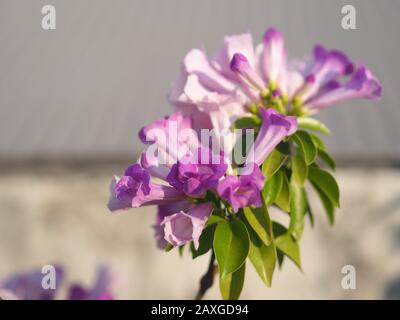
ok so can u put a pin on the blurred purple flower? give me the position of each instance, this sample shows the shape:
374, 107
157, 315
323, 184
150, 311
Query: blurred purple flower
28, 286
103, 288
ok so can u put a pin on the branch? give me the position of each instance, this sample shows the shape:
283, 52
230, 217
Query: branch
207, 280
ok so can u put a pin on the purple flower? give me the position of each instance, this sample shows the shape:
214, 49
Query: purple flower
242, 191
241, 75
363, 84
164, 211
183, 227
167, 139
197, 173
251, 81
273, 56
274, 128
103, 288
135, 189
28, 286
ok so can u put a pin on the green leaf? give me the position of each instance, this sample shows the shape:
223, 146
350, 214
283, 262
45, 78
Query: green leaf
259, 220
247, 122
317, 141
263, 258
313, 124
288, 245
297, 208
180, 250
272, 188
309, 211
283, 198
304, 141
326, 158
272, 164
213, 219
327, 204
299, 168
205, 241
231, 246
168, 247
232, 284
280, 257
326, 183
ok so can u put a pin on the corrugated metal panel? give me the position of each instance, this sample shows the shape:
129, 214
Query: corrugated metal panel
84, 89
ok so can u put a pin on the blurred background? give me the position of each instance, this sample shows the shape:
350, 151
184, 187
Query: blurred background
73, 99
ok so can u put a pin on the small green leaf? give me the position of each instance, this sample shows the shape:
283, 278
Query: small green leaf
288, 245
283, 198
231, 246
205, 241
304, 141
326, 157
280, 257
297, 208
232, 284
168, 247
327, 203
326, 183
299, 168
180, 250
313, 124
263, 258
213, 219
247, 122
272, 188
272, 164
259, 220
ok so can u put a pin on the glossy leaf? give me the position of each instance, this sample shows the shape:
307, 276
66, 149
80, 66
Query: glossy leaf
283, 198
327, 159
297, 208
317, 141
272, 164
263, 258
313, 124
205, 241
231, 246
327, 204
213, 219
326, 183
260, 222
286, 243
299, 168
272, 188
307, 146
232, 284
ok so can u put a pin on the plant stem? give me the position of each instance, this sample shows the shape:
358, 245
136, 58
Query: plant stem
207, 280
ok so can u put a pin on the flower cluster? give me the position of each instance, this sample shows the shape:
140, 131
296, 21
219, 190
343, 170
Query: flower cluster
256, 103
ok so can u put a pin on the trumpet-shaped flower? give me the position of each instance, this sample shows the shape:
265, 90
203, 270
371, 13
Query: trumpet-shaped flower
183, 227
241, 74
242, 191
